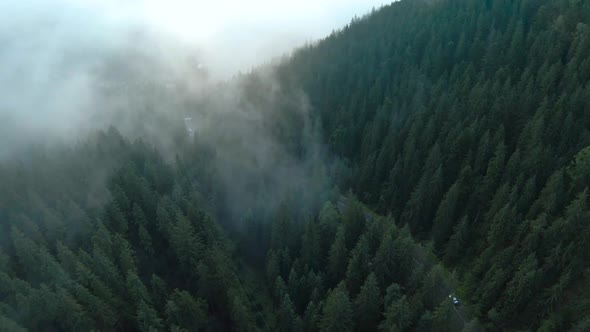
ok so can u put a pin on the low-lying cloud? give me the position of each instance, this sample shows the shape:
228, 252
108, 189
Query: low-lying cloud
69, 66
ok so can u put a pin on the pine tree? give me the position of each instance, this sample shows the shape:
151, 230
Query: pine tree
145, 240
310, 245
551, 197
294, 286
147, 318
136, 289
431, 285
312, 317
280, 290
384, 264
241, 317
353, 221
392, 293
492, 175
125, 255
442, 314
184, 311
338, 256
337, 311
458, 241
398, 316
10, 325
328, 223
425, 323
368, 305
185, 242
445, 217
358, 266
159, 291
579, 169
70, 313
287, 319
273, 268
518, 291
555, 294
282, 230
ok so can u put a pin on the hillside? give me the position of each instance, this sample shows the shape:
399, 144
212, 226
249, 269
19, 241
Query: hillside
469, 122
464, 125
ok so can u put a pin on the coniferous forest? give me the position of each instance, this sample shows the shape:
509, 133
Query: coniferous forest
427, 149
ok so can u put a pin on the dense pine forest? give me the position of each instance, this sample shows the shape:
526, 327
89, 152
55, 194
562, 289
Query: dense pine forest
430, 148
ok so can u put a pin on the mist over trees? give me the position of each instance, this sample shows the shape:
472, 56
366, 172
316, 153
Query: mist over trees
428, 148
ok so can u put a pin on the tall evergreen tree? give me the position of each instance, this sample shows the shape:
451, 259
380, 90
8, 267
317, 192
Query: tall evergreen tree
337, 311
338, 256
368, 305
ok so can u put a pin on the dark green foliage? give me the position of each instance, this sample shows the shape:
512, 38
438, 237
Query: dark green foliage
442, 315
445, 217
458, 241
312, 317
369, 279
337, 314
338, 256
579, 170
101, 275
358, 266
368, 305
184, 311
398, 316
465, 122
287, 319
241, 317
280, 290
385, 264
311, 253
353, 220
147, 318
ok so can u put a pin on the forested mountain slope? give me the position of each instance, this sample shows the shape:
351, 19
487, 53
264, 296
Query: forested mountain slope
469, 121
79, 256
466, 123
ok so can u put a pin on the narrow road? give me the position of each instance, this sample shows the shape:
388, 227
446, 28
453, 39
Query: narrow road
460, 318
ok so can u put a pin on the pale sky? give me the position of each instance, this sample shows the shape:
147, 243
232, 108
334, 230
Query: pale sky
206, 19
52, 50
234, 35
243, 33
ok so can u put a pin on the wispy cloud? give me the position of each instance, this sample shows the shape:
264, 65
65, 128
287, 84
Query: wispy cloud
53, 52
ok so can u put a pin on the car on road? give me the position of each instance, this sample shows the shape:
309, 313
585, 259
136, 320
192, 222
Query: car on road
454, 299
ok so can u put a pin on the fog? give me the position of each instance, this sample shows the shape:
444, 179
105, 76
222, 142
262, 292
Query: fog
69, 66
234, 35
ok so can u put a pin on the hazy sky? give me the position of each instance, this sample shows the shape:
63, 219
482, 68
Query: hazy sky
52, 51
233, 35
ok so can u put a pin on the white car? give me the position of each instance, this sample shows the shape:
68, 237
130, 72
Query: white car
455, 300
